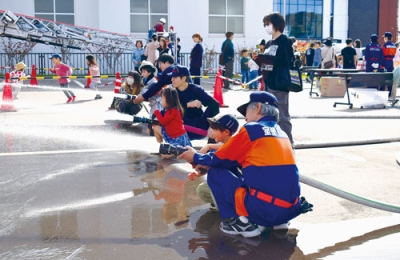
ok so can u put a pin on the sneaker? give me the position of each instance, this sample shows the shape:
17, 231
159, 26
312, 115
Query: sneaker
69, 100
111, 108
237, 227
73, 98
98, 97
283, 226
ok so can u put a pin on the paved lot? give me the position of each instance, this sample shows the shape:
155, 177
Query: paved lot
72, 186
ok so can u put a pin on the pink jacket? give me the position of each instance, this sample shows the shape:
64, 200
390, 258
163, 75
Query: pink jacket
62, 70
95, 71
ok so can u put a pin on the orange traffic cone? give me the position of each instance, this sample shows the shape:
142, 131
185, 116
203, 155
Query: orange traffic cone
218, 88
117, 82
262, 84
33, 80
7, 104
89, 80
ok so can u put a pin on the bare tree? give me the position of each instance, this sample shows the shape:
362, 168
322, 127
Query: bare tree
15, 50
64, 50
208, 59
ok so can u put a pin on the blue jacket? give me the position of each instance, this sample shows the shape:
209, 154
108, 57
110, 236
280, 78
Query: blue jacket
163, 79
137, 57
373, 54
196, 56
229, 53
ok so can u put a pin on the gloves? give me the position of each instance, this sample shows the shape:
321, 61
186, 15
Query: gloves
375, 65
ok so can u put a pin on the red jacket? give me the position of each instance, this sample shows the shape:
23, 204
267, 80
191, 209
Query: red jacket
172, 121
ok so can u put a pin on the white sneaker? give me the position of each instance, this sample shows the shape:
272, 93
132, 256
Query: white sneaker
281, 226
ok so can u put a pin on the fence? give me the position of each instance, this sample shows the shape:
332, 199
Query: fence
109, 63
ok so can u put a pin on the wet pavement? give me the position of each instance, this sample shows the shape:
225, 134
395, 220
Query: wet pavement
73, 186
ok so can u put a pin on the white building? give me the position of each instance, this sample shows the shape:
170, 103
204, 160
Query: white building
210, 18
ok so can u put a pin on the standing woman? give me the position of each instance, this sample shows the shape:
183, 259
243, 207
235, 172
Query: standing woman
94, 71
357, 47
151, 49
328, 54
277, 57
196, 58
163, 49
137, 54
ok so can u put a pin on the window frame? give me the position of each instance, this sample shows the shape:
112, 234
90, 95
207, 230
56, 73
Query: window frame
226, 16
149, 14
54, 14
295, 4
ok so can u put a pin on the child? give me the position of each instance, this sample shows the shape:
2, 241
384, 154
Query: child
94, 71
16, 76
171, 129
223, 128
148, 71
132, 86
253, 72
244, 67
62, 70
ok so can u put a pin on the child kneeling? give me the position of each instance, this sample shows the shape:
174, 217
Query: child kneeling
171, 129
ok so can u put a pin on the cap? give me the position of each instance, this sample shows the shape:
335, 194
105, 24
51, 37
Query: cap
374, 37
20, 65
387, 34
56, 55
163, 20
262, 97
146, 63
179, 71
227, 121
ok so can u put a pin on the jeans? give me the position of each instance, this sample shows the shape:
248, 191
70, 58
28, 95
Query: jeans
315, 64
284, 116
245, 75
228, 73
253, 75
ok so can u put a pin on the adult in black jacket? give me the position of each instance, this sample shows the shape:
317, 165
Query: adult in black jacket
196, 58
275, 66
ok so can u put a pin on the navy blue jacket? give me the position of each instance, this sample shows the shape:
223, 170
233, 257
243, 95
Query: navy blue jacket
229, 52
163, 79
196, 56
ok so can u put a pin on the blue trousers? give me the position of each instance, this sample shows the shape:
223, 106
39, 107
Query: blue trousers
223, 185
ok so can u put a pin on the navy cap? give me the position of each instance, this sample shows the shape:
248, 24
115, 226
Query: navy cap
227, 121
374, 37
387, 34
56, 55
262, 97
179, 71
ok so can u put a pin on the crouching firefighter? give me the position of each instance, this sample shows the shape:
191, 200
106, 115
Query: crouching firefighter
267, 193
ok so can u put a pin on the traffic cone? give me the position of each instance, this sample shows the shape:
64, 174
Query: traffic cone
89, 80
117, 82
33, 80
7, 104
218, 88
262, 84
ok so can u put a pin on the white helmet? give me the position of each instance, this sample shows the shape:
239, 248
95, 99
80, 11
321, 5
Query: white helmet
163, 20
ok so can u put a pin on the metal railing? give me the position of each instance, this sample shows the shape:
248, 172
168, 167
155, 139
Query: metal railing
109, 64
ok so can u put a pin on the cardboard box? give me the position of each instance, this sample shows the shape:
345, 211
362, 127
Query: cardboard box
368, 98
332, 87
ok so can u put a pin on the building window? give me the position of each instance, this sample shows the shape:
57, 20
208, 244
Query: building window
225, 15
55, 10
303, 17
146, 13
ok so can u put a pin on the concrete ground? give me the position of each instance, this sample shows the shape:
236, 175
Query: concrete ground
72, 186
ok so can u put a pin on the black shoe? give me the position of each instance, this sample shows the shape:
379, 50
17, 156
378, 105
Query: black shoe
98, 97
237, 227
228, 88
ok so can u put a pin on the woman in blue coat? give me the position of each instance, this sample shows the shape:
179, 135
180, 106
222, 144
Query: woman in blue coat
137, 54
196, 58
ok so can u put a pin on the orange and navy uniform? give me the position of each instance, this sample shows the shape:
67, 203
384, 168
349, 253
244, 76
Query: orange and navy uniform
268, 190
389, 51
